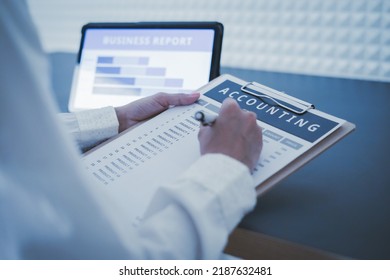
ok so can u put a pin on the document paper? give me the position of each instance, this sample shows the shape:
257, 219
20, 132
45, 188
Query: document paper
131, 167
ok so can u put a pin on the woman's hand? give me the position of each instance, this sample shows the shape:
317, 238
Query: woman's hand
145, 108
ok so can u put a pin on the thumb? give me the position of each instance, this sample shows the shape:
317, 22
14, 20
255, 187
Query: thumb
165, 99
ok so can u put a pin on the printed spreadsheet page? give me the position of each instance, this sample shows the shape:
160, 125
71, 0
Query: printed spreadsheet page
131, 167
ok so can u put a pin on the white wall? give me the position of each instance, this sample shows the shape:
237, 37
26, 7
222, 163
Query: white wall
345, 38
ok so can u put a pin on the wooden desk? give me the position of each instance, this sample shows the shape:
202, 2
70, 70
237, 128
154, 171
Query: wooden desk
251, 245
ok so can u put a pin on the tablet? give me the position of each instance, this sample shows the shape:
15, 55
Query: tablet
121, 62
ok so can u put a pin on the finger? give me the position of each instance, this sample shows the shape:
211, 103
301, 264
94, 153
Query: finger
229, 105
251, 116
166, 100
204, 133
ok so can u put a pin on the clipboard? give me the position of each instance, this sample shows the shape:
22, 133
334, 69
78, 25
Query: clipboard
342, 132
124, 162
279, 98
296, 106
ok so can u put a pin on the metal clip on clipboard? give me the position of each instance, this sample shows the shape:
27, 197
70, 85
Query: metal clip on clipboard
295, 105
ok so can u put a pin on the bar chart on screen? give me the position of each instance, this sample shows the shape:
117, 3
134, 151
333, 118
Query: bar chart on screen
119, 66
132, 76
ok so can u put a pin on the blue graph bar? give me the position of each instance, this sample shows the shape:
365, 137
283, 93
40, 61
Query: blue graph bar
108, 70
149, 82
114, 80
137, 71
155, 71
105, 59
173, 83
131, 60
143, 61
117, 91
123, 60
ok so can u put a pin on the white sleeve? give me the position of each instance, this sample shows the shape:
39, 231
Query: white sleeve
206, 203
55, 211
90, 127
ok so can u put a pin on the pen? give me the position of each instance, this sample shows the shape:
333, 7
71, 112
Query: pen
205, 118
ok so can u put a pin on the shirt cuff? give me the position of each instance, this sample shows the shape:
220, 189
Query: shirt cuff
226, 179
213, 194
229, 180
96, 126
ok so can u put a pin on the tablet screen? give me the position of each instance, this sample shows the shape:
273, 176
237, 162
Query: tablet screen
120, 65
